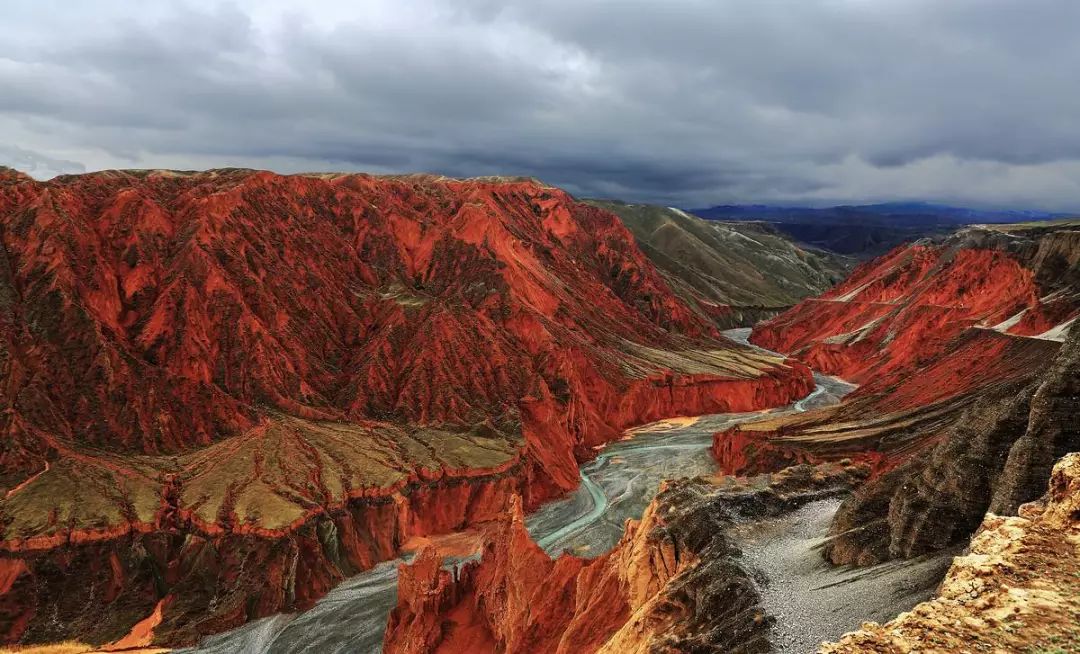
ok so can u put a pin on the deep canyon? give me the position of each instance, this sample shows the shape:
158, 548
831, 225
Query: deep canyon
229, 391
340, 413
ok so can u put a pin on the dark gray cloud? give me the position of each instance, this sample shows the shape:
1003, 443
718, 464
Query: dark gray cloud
684, 101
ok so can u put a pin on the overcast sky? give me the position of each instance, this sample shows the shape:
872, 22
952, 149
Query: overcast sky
683, 102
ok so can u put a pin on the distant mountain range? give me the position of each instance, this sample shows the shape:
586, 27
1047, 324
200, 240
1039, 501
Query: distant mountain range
907, 212
870, 229
733, 273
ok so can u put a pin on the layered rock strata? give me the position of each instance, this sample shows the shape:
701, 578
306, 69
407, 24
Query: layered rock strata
234, 388
674, 583
992, 459
968, 396
1016, 590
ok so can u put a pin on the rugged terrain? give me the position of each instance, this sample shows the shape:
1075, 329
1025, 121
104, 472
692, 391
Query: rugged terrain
968, 393
673, 584
959, 348
928, 331
733, 273
996, 457
226, 391
1017, 589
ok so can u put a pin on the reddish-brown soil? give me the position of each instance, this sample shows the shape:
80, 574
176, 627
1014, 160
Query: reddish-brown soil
668, 586
903, 310
925, 330
234, 388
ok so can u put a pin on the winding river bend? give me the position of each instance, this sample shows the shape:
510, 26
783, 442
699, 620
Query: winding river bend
617, 485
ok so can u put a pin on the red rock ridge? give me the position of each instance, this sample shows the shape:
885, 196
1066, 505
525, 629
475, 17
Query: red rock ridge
668, 585
517, 599
903, 310
156, 325
924, 330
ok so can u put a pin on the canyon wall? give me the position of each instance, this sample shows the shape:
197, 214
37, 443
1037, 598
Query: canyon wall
897, 312
674, 582
968, 394
1016, 590
994, 458
233, 388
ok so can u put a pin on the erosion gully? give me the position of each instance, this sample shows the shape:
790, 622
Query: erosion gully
812, 600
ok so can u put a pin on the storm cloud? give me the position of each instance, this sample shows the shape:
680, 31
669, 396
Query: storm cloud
682, 102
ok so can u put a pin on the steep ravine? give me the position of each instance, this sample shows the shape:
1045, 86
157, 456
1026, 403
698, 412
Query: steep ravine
813, 601
1016, 589
617, 485
232, 390
675, 581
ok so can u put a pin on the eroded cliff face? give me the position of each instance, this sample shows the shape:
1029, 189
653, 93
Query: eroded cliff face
894, 314
673, 583
1016, 590
233, 388
968, 392
992, 459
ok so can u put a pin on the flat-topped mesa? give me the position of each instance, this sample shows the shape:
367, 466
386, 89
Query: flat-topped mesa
237, 387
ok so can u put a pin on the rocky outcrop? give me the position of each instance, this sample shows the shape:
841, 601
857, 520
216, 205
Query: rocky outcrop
673, 583
936, 499
889, 420
1052, 430
991, 458
234, 387
734, 274
1016, 590
101, 589
951, 342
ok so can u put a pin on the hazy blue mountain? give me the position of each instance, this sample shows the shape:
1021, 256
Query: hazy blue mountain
870, 229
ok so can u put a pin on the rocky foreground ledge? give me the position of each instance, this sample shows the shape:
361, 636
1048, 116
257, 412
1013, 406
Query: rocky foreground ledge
1017, 590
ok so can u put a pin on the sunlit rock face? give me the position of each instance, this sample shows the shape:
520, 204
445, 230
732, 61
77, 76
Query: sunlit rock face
906, 308
234, 388
969, 385
674, 583
1016, 590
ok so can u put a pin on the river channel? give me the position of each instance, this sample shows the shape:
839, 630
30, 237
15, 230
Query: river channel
616, 485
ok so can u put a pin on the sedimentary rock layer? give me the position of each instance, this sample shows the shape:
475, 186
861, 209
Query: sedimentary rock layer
995, 457
1016, 590
904, 309
673, 583
233, 388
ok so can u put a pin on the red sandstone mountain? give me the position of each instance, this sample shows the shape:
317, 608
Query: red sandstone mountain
968, 393
906, 308
958, 346
226, 391
927, 330
672, 584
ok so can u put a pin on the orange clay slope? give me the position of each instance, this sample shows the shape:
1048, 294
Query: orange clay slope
926, 330
672, 584
234, 388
